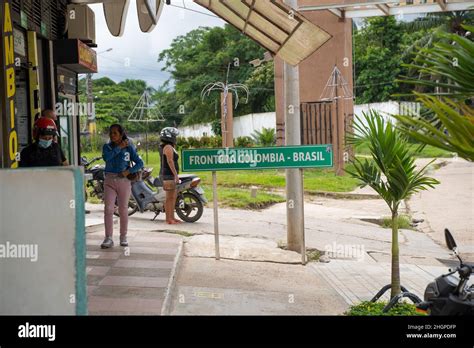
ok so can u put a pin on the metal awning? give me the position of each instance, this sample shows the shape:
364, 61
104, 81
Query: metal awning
274, 25
375, 8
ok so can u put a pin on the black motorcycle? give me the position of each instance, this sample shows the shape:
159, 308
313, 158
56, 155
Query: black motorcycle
448, 294
95, 177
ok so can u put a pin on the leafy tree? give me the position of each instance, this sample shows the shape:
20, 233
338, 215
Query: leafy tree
377, 47
203, 56
451, 122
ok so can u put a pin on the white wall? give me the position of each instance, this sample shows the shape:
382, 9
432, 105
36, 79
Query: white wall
388, 108
246, 125
243, 126
36, 210
196, 130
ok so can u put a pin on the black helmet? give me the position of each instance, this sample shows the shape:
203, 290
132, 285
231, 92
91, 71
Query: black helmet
169, 135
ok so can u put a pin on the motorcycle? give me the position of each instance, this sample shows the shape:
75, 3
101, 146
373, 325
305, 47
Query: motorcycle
95, 177
148, 195
448, 294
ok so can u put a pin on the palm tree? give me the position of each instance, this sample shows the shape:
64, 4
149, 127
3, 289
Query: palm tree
392, 173
449, 22
266, 137
433, 25
450, 125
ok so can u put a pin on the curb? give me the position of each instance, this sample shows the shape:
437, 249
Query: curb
342, 195
166, 307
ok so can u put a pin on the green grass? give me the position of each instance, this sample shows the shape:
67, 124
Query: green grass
427, 152
368, 308
315, 180
228, 196
404, 222
241, 198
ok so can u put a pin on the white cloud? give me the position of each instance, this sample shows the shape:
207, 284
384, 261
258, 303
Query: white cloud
134, 55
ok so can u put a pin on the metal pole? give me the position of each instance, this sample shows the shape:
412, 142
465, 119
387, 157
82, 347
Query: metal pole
90, 100
303, 242
294, 178
216, 217
146, 142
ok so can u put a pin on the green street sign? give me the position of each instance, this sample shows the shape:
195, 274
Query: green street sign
308, 156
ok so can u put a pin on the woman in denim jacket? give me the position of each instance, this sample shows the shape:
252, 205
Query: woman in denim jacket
118, 155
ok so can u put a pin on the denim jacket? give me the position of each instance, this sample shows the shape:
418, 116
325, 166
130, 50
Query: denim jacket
117, 160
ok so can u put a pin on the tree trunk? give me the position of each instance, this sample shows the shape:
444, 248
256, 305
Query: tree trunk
395, 257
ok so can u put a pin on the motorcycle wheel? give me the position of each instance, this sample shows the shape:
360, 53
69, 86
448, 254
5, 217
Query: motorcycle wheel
192, 210
132, 207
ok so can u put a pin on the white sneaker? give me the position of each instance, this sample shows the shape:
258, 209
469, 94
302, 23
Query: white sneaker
107, 243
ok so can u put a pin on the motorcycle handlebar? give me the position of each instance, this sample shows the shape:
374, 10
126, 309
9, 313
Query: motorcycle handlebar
464, 271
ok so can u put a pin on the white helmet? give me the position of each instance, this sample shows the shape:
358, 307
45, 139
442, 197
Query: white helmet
169, 135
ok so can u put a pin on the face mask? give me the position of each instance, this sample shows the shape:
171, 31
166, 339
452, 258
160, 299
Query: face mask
45, 143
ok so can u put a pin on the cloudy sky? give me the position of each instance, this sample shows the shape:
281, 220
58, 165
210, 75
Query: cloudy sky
134, 55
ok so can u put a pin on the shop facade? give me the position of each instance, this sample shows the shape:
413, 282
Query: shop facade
39, 69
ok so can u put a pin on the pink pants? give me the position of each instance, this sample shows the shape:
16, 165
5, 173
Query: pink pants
116, 189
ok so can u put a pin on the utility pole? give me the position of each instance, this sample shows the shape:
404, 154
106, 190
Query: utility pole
294, 177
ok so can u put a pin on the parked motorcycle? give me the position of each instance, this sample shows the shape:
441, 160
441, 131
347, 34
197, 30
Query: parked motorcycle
148, 195
448, 294
95, 177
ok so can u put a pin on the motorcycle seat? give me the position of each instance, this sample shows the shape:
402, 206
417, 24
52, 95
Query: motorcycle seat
187, 177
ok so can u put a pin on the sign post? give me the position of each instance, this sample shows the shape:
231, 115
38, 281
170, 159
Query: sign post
257, 158
216, 217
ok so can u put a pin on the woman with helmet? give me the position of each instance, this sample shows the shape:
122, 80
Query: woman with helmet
44, 152
169, 171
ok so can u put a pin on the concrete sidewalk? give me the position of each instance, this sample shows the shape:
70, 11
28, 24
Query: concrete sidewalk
136, 280
228, 287
450, 205
358, 281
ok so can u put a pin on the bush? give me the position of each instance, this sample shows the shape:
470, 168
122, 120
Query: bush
244, 142
267, 137
194, 142
92, 143
205, 141
216, 142
182, 142
368, 308
217, 127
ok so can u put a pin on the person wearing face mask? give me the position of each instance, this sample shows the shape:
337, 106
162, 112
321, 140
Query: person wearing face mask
44, 152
